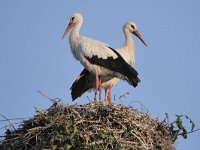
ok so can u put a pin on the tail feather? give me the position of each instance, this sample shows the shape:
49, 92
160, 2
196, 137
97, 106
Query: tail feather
85, 82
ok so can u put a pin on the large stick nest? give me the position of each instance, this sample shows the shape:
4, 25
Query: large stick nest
89, 126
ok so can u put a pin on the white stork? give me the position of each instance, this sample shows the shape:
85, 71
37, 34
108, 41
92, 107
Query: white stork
97, 57
86, 81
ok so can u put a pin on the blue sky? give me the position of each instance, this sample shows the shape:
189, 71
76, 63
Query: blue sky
33, 56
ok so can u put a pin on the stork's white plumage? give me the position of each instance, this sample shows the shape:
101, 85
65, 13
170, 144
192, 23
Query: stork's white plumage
84, 48
85, 81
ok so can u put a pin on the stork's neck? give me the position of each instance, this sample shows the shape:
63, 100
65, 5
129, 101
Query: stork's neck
130, 46
129, 43
76, 29
74, 37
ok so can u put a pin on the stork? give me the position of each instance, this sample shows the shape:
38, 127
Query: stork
86, 81
97, 57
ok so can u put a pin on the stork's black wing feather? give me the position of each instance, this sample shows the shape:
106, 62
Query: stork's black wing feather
117, 65
83, 83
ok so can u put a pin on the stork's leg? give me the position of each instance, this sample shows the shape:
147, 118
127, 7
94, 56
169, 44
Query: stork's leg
109, 94
100, 88
97, 85
106, 94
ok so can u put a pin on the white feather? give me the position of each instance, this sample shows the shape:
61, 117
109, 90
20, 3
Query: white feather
127, 52
82, 47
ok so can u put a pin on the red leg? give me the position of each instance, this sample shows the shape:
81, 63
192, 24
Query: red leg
110, 94
100, 89
106, 94
97, 85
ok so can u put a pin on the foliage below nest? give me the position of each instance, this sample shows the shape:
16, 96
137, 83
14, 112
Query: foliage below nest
90, 126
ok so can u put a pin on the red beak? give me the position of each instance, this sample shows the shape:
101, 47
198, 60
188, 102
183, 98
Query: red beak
136, 33
70, 25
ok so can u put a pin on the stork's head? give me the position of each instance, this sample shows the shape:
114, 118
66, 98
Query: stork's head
132, 28
75, 19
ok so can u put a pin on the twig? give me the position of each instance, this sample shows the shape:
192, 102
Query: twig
44, 95
14, 119
124, 95
141, 105
8, 121
2, 136
76, 113
139, 138
5, 127
190, 131
88, 98
51, 99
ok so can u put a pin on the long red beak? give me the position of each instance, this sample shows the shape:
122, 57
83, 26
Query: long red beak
70, 25
136, 33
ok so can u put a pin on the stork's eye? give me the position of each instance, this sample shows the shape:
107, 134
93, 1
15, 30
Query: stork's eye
132, 26
72, 18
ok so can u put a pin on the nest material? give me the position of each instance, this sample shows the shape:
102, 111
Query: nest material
90, 126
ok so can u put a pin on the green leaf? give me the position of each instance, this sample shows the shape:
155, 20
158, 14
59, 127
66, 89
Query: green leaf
191, 122
184, 134
179, 123
193, 126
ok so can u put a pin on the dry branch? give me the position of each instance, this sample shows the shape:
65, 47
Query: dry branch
90, 126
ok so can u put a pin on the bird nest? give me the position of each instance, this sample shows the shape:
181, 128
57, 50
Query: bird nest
90, 126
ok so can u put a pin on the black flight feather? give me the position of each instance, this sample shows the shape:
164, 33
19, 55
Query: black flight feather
117, 65
83, 83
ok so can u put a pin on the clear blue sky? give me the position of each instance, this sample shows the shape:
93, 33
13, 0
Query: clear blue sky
33, 56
